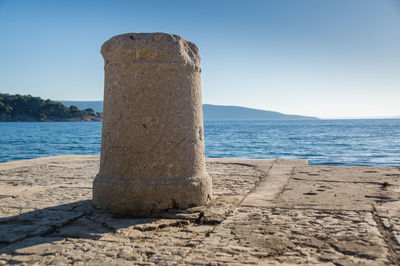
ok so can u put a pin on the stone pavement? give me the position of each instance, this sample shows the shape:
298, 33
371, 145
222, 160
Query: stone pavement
263, 212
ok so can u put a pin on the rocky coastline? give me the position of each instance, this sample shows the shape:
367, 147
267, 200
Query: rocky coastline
25, 118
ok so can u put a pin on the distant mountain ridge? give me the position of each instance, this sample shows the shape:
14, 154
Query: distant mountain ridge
212, 112
97, 106
221, 112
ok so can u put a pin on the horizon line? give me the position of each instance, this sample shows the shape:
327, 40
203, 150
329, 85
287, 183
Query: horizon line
320, 117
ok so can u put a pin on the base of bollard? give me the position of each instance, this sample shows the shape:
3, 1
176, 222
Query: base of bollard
139, 197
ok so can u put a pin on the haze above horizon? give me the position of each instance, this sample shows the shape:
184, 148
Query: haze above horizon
311, 58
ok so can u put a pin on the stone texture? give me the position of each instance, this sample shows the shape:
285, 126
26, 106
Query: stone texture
152, 151
247, 222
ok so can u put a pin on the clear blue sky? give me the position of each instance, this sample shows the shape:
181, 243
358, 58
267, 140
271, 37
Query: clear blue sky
333, 58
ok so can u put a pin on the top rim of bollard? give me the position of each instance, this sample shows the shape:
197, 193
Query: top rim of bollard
155, 47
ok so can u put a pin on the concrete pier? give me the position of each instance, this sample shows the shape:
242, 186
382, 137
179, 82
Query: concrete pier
152, 149
262, 212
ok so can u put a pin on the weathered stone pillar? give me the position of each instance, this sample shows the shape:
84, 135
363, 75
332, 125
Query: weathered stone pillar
152, 148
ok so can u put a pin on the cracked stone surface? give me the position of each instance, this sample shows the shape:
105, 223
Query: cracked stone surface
263, 212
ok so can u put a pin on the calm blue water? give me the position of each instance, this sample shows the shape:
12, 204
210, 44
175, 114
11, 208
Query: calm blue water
374, 142
27, 140
328, 142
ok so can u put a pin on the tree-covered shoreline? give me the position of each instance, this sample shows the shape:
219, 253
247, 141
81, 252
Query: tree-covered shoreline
26, 108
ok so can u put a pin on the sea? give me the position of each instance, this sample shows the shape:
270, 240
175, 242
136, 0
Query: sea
353, 142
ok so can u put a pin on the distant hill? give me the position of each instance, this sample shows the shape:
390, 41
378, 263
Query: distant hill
212, 112
220, 112
26, 108
97, 106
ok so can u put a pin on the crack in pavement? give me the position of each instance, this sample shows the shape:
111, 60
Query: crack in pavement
387, 236
232, 209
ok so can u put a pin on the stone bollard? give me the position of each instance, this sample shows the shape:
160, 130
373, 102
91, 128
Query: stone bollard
152, 147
